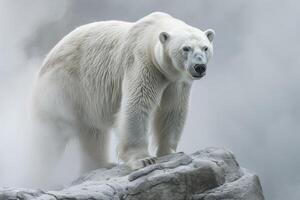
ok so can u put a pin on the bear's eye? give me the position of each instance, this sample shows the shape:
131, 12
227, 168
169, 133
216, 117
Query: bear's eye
205, 48
186, 48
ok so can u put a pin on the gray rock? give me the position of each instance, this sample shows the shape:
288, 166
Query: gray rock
209, 174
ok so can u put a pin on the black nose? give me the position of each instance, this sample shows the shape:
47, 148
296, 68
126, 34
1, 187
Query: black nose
200, 68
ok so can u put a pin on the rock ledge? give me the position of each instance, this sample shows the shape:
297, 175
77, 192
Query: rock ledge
209, 174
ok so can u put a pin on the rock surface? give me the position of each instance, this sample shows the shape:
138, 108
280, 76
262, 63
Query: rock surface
209, 174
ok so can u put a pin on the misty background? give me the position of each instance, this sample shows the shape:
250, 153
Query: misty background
248, 102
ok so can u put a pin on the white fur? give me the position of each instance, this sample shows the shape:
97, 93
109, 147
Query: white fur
116, 74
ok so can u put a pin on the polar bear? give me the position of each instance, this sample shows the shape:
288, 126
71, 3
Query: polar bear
133, 77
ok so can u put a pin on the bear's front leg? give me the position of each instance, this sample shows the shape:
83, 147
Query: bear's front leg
140, 93
170, 117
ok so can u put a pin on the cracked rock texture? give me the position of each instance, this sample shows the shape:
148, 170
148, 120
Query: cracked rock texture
209, 174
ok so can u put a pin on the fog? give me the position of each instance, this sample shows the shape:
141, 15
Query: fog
248, 102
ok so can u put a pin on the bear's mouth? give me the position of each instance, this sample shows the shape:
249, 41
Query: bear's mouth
198, 75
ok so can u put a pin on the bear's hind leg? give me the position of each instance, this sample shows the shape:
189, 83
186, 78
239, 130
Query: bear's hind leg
94, 145
48, 145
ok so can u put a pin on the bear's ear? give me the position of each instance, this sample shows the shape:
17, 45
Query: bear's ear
210, 34
163, 37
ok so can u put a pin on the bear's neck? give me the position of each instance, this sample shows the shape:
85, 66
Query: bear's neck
162, 62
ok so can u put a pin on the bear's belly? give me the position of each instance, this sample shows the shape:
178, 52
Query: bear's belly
101, 107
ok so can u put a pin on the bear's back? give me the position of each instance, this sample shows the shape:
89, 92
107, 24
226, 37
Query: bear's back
81, 45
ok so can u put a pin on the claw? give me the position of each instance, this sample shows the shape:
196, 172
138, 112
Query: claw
144, 163
150, 161
153, 160
141, 163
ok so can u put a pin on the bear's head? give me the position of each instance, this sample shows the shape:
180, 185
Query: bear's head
184, 54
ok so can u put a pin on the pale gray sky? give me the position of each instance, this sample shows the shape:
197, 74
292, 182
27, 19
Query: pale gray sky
248, 102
